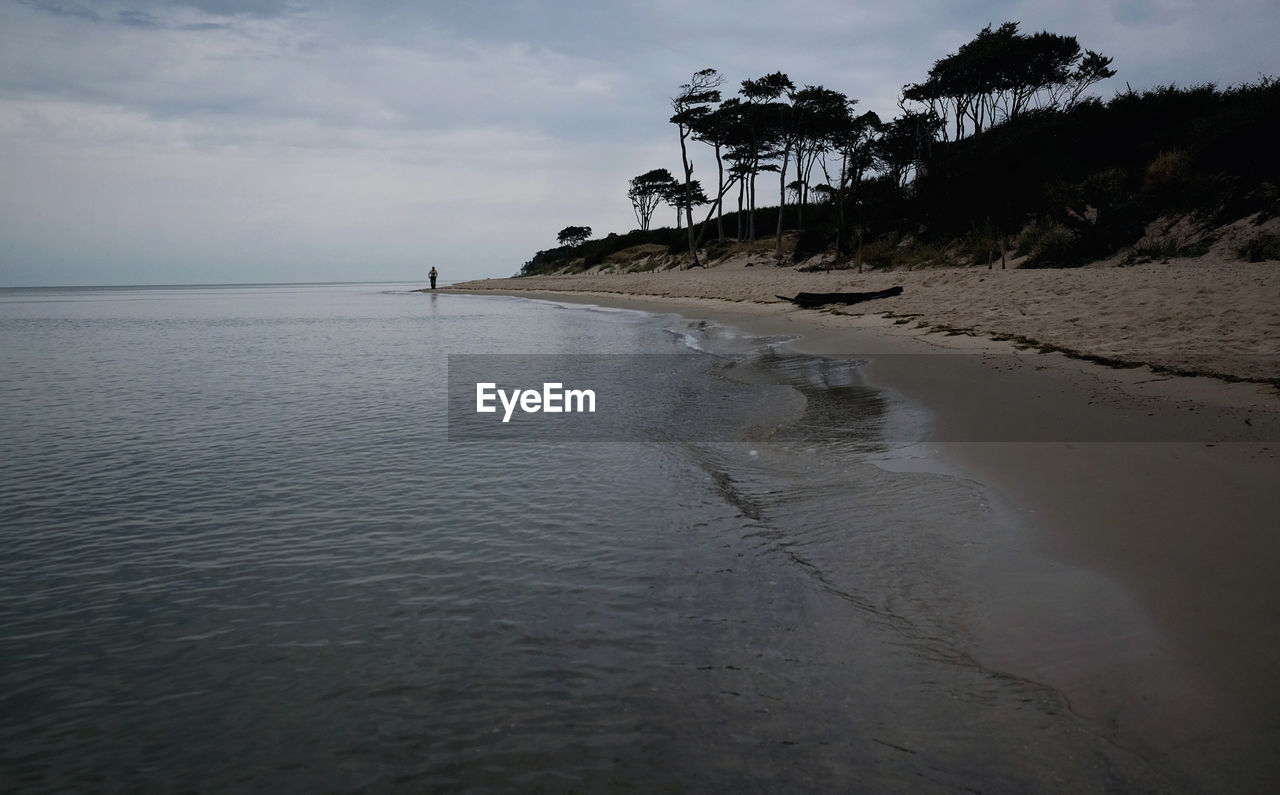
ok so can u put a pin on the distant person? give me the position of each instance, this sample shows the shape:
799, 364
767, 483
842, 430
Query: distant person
433, 276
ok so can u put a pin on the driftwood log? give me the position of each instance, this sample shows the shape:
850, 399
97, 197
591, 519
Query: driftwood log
810, 300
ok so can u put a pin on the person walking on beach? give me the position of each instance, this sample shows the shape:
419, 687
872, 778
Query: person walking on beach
433, 275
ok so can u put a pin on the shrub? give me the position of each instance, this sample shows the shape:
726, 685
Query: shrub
879, 254
1170, 169
977, 248
811, 242
1260, 248
716, 250
1057, 247
1030, 237
1161, 249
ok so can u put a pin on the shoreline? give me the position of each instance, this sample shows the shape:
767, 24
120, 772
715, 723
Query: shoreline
1184, 527
1204, 317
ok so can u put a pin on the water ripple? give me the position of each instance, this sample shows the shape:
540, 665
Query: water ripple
241, 555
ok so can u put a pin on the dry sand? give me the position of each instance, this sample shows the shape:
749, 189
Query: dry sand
1217, 316
1185, 521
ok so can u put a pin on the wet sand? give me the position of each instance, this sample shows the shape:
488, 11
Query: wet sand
1132, 486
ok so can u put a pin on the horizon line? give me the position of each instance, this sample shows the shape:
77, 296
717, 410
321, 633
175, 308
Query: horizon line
194, 284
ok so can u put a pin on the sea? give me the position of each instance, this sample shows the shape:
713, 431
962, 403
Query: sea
250, 546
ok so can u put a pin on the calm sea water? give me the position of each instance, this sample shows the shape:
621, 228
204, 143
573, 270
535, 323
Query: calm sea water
241, 554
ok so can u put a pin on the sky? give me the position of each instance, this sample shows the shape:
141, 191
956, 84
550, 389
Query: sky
251, 141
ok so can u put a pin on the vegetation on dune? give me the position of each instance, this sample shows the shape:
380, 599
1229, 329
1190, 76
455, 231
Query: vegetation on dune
998, 152
574, 235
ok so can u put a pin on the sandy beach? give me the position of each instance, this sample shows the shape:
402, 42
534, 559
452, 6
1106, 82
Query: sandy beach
1134, 485
1207, 315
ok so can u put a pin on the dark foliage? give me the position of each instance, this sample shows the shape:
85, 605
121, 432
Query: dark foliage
1067, 185
573, 235
1104, 170
594, 252
811, 241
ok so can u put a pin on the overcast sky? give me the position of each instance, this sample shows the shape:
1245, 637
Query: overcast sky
217, 141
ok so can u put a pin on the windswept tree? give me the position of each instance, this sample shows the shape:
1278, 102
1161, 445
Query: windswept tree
753, 124
904, 143
779, 130
855, 142
822, 193
699, 117
818, 115
749, 148
689, 107
1092, 68
1002, 73
717, 129
574, 235
684, 197
646, 190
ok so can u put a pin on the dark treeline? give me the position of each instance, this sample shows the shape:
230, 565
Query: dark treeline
998, 149
1099, 172
671, 239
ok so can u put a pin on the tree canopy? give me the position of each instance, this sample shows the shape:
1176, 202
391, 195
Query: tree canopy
1002, 73
646, 190
574, 235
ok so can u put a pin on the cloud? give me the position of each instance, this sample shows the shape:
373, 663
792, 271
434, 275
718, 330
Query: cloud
62, 9
263, 9
137, 19
1167, 41
285, 135
308, 68
288, 139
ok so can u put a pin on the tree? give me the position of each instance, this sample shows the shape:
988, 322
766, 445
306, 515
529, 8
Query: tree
780, 130
824, 194
684, 197
904, 144
716, 129
574, 235
689, 107
1093, 68
818, 115
647, 190
854, 139
1002, 73
749, 147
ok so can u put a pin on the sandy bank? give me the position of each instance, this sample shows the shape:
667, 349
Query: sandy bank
1214, 316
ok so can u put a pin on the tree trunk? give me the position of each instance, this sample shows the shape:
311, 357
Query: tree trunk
742, 189
688, 204
841, 248
782, 201
720, 186
800, 189
693, 246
